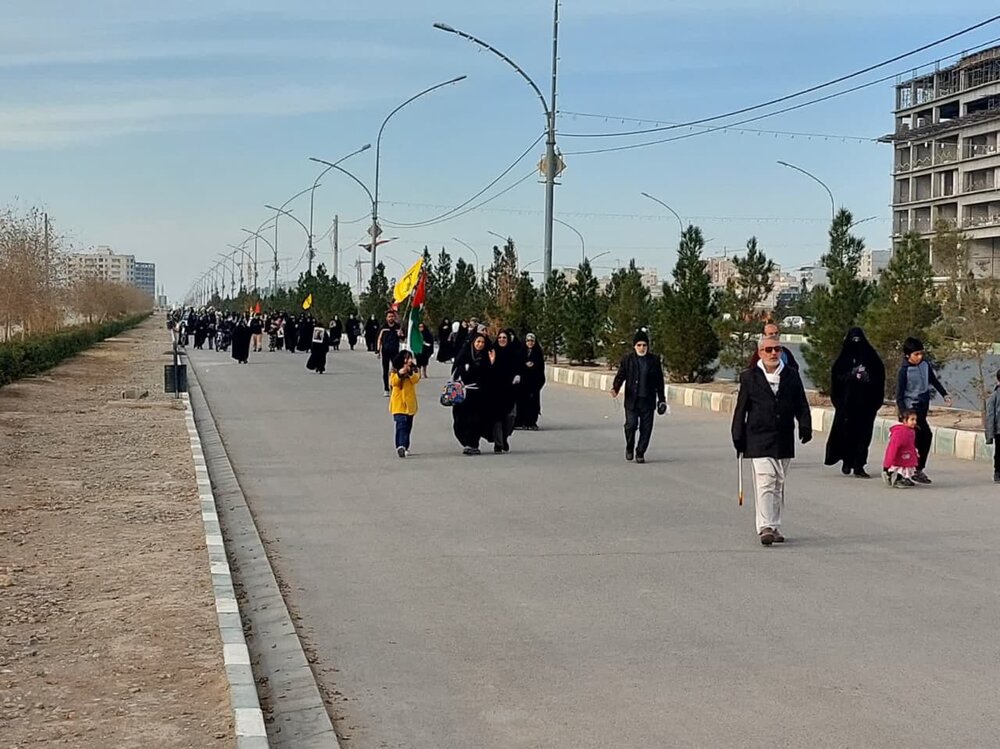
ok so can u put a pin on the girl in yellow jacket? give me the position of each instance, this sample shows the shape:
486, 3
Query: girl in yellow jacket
403, 381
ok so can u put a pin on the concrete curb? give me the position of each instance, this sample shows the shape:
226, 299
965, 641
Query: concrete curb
298, 716
248, 719
954, 443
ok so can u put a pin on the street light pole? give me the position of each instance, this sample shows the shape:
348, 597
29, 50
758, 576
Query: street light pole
810, 175
375, 228
680, 221
257, 235
583, 242
549, 107
474, 253
312, 195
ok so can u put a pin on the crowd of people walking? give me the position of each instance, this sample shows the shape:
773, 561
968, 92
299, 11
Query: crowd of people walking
495, 383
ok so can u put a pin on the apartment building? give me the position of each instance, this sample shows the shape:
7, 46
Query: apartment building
102, 263
873, 262
946, 157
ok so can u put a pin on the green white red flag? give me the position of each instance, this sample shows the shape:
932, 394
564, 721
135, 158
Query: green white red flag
414, 338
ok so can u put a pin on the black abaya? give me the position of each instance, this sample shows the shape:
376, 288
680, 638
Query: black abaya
241, 343
472, 419
529, 391
317, 354
445, 351
857, 391
291, 335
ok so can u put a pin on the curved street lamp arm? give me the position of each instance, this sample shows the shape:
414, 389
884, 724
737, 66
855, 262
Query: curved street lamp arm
361, 184
259, 236
291, 216
680, 221
583, 242
296, 195
502, 56
814, 178
378, 141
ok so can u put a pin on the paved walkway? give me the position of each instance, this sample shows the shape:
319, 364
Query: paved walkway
559, 597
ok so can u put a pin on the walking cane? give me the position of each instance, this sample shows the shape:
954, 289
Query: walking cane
739, 466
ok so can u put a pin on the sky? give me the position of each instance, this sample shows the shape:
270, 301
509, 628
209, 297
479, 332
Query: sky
162, 129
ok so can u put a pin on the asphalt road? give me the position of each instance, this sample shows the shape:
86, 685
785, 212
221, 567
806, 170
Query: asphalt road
560, 597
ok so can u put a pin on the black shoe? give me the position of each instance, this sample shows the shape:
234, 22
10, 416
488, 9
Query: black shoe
861, 473
921, 478
996, 477
498, 449
629, 455
476, 451
845, 469
778, 538
640, 459
766, 537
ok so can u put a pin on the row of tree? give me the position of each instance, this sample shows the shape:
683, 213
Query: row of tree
32, 298
699, 329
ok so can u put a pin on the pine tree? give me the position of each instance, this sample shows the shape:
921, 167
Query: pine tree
525, 306
466, 297
741, 304
440, 279
627, 308
684, 335
903, 303
552, 322
583, 316
500, 283
838, 306
376, 298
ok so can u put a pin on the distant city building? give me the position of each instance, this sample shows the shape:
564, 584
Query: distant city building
102, 263
811, 276
720, 270
947, 154
873, 262
145, 278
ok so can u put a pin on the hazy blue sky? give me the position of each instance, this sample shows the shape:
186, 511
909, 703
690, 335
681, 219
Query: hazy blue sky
162, 128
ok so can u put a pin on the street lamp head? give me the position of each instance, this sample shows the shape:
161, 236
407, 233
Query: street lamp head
459, 79
445, 27
365, 147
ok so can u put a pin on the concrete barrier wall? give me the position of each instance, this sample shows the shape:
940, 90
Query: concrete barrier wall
956, 443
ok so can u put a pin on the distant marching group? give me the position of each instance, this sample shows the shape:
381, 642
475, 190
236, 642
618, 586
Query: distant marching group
496, 382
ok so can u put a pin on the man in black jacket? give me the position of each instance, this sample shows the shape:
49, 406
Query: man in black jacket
642, 375
770, 401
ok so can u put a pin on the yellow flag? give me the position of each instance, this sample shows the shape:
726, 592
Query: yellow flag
408, 282
308, 302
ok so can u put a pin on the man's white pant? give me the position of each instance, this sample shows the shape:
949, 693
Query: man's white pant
769, 490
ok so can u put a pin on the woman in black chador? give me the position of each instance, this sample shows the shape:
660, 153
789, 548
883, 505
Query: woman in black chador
472, 418
291, 334
241, 342
502, 391
353, 330
306, 325
336, 332
319, 347
371, 332
529, 390
445, 351
857, 389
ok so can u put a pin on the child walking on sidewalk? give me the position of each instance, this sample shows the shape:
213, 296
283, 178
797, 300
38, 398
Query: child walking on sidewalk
993, 427
900, 463
403, 379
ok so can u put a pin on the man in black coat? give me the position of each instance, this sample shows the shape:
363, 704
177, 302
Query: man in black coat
770, 401
642, 375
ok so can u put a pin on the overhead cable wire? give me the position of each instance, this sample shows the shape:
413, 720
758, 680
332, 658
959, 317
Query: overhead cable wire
796, 94
444, 216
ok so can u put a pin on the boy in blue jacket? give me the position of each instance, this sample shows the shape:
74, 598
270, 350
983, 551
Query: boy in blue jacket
915, 387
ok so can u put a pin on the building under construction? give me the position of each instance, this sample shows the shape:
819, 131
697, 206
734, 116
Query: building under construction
946, 156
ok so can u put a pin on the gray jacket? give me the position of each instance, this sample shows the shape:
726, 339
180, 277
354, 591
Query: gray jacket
992, 416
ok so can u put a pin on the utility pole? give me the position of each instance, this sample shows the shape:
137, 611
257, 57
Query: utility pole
48, 258
550, 149
336, 246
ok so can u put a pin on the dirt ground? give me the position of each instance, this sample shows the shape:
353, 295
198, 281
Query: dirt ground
108, 634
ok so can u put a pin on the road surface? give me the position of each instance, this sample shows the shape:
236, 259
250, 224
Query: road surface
561, 597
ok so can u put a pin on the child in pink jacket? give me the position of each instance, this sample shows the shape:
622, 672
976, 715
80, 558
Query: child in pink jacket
901, 457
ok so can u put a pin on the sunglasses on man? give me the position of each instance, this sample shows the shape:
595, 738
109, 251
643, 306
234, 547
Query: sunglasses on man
773, 349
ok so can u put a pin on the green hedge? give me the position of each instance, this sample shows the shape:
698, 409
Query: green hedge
36, 353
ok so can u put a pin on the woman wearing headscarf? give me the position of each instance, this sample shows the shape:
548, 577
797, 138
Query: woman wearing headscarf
445, 351
319, 347
506, 365
336, 332
241, 341
529, 390
291, 333
353, 331
371, 332
424, 357
306, 325
857, 389
473, 368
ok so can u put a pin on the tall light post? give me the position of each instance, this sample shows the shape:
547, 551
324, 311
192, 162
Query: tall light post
312, 195
257, 235
551, 164
251, 261
282, 212
376, 230
277, 212
680, 221
583, 242
814, 178
229, 258
475, 254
